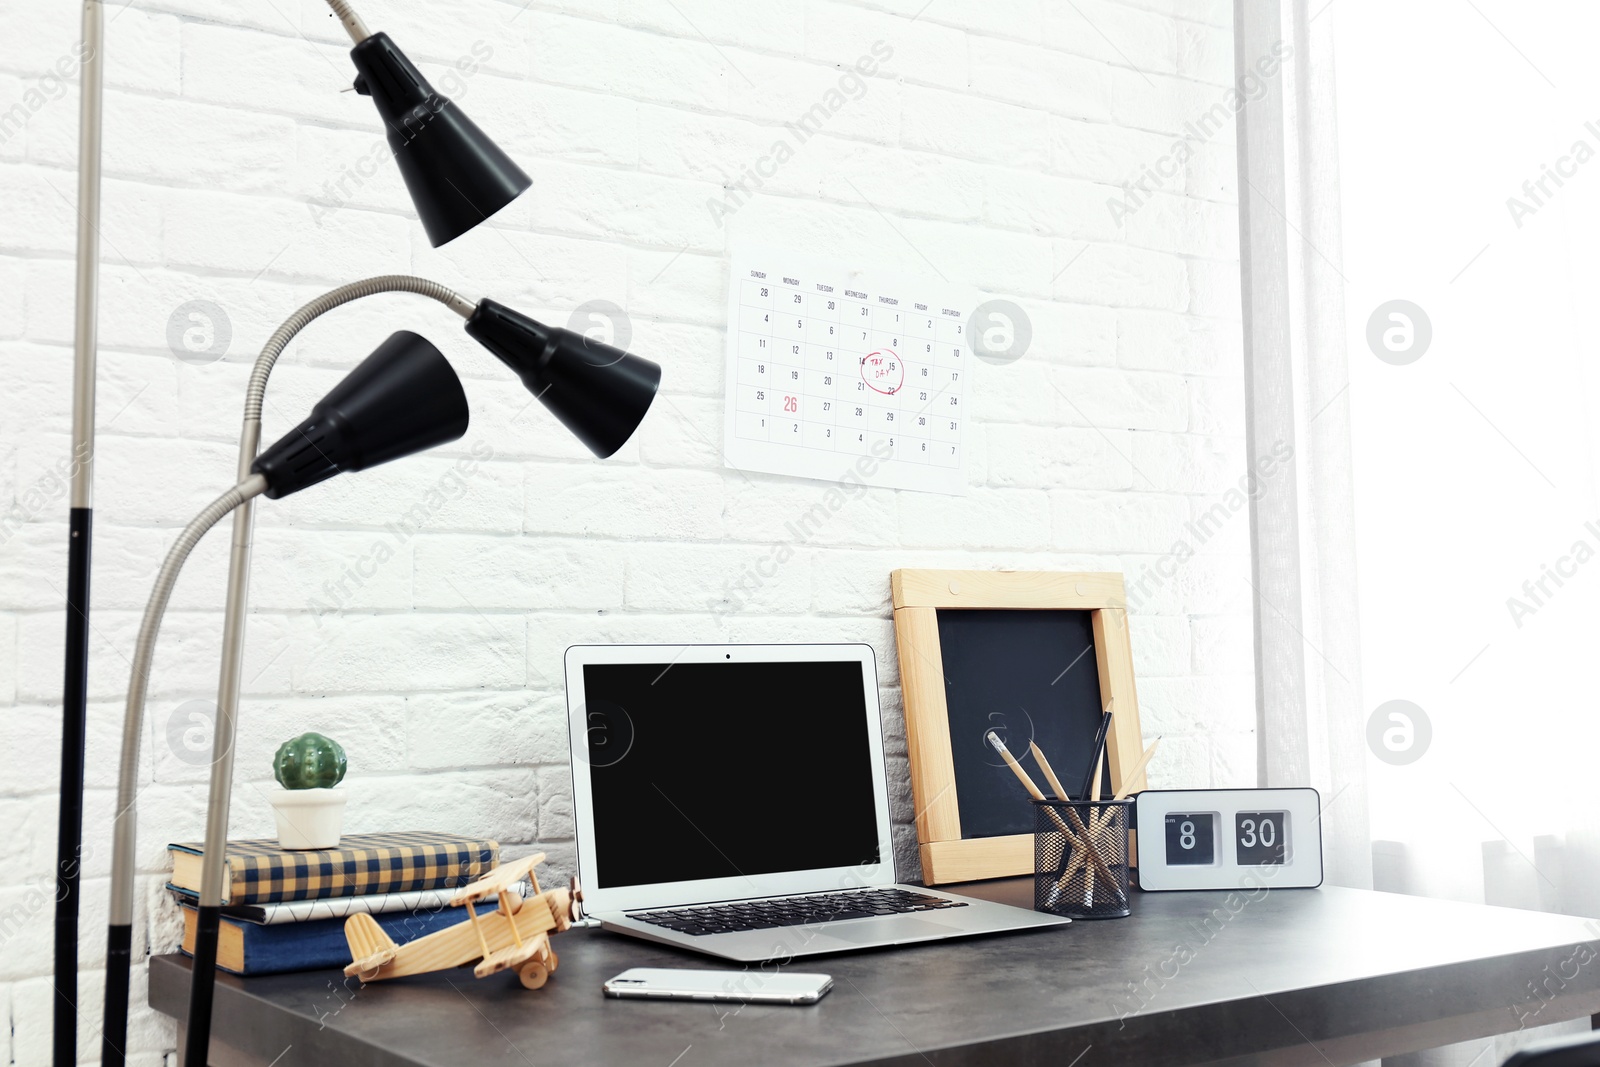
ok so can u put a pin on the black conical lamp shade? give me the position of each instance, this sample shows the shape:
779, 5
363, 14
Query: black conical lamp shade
598, 392
457, 176
401, 399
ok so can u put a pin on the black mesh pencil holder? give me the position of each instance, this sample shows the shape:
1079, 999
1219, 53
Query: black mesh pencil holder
1080, 858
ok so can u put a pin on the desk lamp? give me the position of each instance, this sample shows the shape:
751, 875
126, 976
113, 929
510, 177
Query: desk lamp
402, 399
457, 177
598, 392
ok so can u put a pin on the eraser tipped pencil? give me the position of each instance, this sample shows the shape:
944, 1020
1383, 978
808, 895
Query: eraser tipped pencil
1011, 761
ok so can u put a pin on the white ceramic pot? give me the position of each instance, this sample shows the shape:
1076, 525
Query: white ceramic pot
309, 818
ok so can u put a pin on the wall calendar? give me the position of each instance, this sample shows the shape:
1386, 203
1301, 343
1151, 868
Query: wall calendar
832, 365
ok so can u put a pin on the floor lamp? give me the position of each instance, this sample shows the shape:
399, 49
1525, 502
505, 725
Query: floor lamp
457, 177
598, 392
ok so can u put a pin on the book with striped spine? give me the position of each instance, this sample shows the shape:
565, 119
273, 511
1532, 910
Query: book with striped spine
259, 872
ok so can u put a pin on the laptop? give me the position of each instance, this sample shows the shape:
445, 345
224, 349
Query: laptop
732, 799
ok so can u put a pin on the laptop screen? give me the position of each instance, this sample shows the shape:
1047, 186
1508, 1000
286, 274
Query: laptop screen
721, 770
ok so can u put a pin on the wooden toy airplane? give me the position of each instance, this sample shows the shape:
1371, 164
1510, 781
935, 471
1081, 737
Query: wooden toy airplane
515, 935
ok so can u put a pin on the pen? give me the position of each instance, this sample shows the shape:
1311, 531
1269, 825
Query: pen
1099, 746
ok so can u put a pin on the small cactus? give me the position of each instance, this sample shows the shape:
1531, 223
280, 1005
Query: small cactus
309, 761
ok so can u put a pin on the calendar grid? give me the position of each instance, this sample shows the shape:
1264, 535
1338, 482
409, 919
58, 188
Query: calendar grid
828, 363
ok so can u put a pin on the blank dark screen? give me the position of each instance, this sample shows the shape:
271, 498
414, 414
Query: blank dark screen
715, 770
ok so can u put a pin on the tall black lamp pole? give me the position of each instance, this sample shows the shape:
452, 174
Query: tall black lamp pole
80, 527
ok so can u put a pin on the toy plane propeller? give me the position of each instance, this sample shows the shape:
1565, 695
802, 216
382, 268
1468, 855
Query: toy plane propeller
516, 935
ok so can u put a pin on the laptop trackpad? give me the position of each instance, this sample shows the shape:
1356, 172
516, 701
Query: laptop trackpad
889, 928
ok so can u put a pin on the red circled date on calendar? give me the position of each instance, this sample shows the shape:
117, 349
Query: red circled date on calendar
883, 372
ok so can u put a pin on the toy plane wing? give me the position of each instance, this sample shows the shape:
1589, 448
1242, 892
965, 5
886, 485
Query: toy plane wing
498, 880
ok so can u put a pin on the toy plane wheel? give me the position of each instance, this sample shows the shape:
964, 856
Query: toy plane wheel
505, 959
533, 974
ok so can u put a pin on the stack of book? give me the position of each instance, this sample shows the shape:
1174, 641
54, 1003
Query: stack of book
285, 911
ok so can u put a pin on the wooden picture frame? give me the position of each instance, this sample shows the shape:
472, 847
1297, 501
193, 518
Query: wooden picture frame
918, 597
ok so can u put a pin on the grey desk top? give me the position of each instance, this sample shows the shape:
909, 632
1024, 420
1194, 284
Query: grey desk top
1298, 976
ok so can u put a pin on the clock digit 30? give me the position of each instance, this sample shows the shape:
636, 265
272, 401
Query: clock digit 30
1229, 838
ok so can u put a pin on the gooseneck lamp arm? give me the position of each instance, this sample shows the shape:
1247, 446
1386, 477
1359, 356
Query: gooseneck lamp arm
119, 962
350, 21
203, 977
598, 392
80, 528
124, 841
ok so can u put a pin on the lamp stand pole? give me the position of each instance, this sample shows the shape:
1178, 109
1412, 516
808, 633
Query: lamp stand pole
80, 525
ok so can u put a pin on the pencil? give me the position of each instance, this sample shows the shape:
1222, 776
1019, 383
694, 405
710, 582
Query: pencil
1016, 768
1049, 774
1138, 769
1061, 793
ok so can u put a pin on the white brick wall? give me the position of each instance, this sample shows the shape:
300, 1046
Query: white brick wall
986, 149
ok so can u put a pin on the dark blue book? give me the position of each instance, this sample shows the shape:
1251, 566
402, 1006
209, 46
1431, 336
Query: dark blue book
251, 948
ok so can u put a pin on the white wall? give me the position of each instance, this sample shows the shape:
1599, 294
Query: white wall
988, 146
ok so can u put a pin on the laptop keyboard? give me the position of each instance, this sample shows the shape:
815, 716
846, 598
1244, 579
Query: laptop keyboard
792, 911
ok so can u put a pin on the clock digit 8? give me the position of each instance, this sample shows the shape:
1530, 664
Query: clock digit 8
1229, 838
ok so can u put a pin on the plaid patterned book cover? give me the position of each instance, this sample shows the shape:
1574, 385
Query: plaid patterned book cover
363, 864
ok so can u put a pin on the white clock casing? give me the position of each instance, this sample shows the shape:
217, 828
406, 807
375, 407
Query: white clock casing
1257, 838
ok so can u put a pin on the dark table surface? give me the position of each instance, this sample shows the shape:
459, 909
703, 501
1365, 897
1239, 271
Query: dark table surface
1292, 976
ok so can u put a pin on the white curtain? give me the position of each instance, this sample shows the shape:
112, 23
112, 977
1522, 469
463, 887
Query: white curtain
1308, 663
1419, 317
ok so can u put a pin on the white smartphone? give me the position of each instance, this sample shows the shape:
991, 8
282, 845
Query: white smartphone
746, 987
